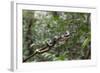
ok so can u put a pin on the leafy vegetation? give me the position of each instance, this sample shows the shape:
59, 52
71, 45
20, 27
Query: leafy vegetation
41, 26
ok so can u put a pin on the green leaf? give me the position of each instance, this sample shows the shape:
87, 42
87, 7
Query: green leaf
85, 43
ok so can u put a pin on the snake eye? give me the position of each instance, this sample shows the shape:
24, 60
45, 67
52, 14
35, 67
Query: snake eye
49, 42
66, 33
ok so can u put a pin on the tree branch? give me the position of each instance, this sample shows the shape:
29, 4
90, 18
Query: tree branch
49, 45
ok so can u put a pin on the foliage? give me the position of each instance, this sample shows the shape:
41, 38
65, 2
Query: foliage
41, 26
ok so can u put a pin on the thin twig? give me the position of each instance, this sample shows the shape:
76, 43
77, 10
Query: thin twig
29, 57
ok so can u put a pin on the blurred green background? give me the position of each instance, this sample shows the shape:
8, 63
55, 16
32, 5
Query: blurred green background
40, 26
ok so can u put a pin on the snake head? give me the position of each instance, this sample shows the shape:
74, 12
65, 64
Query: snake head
66, 34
